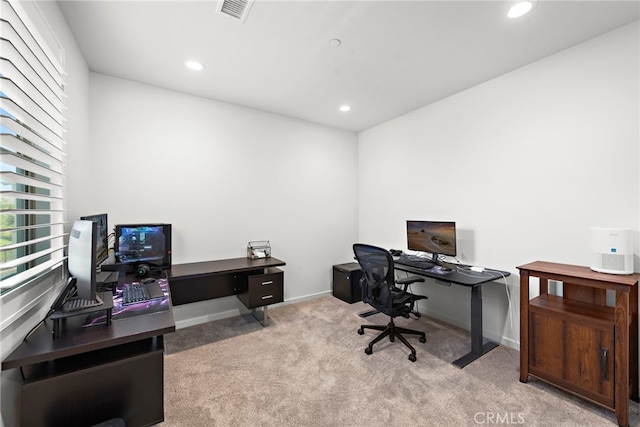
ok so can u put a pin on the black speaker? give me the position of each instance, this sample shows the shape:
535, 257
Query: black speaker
143, 270
346, 282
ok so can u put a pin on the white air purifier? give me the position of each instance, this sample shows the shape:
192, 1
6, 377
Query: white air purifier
611, 250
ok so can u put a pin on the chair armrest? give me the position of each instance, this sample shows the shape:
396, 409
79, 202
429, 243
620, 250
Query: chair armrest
405, 282
409, 280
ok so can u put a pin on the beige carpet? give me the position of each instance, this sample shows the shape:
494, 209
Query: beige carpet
308, 368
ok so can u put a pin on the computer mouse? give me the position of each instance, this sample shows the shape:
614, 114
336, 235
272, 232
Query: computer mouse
148, 280
442, 268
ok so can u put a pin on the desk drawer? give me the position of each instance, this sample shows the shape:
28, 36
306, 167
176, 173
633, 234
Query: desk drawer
264, 289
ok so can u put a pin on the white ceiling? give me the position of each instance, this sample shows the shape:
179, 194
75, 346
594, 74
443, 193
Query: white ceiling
395, 56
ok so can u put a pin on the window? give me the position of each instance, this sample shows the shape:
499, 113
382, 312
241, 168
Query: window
32, 158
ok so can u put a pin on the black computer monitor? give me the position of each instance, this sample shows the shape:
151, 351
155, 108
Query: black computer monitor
143, 244
434, 237
82, 258
102, 240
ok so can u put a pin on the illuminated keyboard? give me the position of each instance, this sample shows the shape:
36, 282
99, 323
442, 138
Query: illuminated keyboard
133, 293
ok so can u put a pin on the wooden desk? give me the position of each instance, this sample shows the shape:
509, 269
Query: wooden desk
90, 374
463, 276
256, 282
577, 342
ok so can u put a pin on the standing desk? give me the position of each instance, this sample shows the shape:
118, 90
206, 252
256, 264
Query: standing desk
92, 372
463, 276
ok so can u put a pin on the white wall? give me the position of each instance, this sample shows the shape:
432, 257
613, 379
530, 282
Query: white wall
222, 175
524, 163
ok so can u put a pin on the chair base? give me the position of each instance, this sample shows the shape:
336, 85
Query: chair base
393, 332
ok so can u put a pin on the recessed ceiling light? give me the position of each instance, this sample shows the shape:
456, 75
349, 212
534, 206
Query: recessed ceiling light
194, 65
335, 42
520, 8
345, 108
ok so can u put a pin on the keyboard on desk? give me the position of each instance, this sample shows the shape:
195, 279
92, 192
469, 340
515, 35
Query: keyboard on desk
415, 262
140, 292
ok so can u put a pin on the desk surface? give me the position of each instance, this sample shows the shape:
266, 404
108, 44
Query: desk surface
572, 272
460, 275
77, 338
222, 266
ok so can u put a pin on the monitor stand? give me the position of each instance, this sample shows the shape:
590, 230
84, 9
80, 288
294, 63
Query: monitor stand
107, 306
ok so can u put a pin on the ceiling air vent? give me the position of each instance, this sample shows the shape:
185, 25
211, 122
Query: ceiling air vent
237, 9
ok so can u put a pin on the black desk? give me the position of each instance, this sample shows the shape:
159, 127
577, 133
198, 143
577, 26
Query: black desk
462, 275
93, 372
256, 282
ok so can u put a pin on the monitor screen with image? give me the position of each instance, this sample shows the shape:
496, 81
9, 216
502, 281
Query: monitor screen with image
144, 244
434, 237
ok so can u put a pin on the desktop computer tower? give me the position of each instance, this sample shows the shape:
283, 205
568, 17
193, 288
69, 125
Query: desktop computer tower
346, 282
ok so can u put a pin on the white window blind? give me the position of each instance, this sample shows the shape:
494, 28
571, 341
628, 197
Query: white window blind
32, 157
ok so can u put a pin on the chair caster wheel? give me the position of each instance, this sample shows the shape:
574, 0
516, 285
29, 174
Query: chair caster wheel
412, 357
423, 339
361, 331
368, 350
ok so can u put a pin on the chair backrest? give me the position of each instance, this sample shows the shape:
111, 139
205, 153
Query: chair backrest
378, 277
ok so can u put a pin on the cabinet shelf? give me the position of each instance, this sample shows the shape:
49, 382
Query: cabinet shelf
576, 310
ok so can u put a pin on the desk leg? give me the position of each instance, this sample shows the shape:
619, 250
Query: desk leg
478, 346
260, 313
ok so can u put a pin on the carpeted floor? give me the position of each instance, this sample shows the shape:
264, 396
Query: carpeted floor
308, 368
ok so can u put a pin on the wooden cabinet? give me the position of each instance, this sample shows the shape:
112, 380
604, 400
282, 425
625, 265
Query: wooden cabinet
576, 341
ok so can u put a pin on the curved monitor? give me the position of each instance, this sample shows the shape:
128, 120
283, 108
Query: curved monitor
435, 237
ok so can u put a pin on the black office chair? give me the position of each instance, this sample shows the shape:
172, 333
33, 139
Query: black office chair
380, 291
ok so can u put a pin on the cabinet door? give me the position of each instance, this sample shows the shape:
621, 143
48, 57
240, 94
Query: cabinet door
575, 355
589, 354
546, 348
